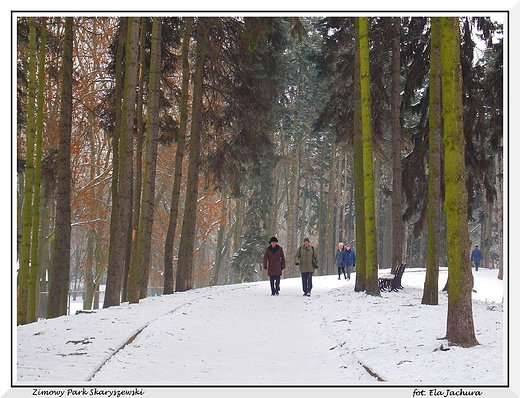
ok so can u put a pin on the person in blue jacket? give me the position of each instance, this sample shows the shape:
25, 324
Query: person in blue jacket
349, 259
476, 257
338, 260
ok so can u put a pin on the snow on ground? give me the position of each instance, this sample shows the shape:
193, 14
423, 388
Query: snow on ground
239, 335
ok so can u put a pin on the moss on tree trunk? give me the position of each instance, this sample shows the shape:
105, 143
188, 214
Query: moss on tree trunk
460, 328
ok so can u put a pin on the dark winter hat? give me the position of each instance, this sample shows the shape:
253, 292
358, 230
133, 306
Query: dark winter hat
307, 240
347, 245
273, 239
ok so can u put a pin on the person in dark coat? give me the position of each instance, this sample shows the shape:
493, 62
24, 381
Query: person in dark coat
274, 263
349, 259
476, 257
306, 259
338, 260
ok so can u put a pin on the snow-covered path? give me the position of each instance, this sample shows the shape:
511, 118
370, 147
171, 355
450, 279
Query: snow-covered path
258, 341
241, 335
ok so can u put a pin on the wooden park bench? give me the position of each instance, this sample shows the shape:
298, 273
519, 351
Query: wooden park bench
392, 283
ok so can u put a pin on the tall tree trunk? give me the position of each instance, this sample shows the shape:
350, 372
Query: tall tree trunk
90, 259
323, 224
486, 232
145, 182
176, 190
422, 245
89, 271
46, 243
91, 263
273, 215
152, 132
292, 219
460, 328
114, 215
34, 291
220, 249
397, 195
27, 218
290, 189
340, 208
372, 285
60, 265
359, 194
386, 241
185, 266
120, 244
328, 247
500, 215
133, 261
343, 229
234, 276
434, 209
224, 273
349, 203
303, 221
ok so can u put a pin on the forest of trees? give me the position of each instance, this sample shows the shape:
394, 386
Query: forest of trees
159, 154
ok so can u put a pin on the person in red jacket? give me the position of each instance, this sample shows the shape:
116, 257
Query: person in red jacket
274, 263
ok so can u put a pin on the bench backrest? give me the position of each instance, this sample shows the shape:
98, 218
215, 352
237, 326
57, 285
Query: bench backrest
397, 279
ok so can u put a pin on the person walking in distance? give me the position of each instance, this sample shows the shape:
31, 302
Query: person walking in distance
476, 257
349, 259
274, 263
307, 261
338, 260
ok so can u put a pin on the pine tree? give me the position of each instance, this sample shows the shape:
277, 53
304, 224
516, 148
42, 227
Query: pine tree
359, 197
122, 202
460, 328
415, 119
430, 293
179, 154
184, 280
35, 268
242, 87
60, 266
138, 279
372, 286
27, 219
130, 289
397, 184
117, 270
